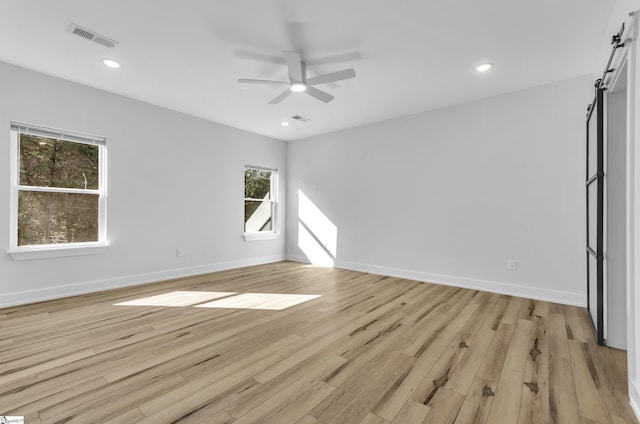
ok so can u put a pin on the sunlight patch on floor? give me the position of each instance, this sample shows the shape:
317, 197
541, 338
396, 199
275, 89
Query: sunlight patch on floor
177, 298
226, 300
270, 301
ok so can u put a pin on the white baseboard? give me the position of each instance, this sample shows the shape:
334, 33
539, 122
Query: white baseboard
31, 296
634, 398
556, 296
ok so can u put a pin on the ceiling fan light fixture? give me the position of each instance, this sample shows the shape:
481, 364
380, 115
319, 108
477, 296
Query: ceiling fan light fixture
284, 124
111, 63
484, 67
298, 81
298, 87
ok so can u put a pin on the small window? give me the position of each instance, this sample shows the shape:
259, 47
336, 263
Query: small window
259, 200
58, 196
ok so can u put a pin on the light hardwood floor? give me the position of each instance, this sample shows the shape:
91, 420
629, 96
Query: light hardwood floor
370, 349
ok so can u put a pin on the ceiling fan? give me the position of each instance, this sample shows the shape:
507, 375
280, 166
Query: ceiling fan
298, 81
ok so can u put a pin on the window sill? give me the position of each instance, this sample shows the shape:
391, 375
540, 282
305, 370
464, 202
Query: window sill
260, 236
45, 252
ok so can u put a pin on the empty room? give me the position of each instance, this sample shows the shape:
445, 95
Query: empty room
356, 212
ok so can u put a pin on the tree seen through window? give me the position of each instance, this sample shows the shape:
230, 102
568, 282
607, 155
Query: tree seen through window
258, 200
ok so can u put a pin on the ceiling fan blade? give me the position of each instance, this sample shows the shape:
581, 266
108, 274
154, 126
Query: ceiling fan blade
319, 94
332, 77
257, 81
294, 63
280, 97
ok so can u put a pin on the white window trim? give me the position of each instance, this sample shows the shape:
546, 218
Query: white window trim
42, 251
46, 251
265, 235
260, 236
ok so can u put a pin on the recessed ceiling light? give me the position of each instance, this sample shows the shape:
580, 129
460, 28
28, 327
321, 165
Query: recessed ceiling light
284, 124
111, 63
484, 67
297, 87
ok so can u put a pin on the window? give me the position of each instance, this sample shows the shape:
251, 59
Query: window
259, 201
58, 191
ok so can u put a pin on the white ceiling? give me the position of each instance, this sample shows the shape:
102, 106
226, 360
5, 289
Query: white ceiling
409, 55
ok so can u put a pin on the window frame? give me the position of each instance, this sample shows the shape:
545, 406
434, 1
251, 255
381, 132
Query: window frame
273, 233
41, 251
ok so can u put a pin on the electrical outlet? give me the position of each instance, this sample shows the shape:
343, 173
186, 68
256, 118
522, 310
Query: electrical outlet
179, 252
512, 265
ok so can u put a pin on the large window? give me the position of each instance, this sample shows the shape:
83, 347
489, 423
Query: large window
58, 196
259, 200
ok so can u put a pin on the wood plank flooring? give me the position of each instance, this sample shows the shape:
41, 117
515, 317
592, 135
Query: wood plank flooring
368, 350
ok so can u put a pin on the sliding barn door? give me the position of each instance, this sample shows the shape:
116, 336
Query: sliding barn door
595, 214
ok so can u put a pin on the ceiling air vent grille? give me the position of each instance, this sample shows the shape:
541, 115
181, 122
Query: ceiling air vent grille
299, 118
91, 36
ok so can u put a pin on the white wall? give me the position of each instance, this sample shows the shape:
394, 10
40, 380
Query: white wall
616, 210
633, 215
173, 181
451, 195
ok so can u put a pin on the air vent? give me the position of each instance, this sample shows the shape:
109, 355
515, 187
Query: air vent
91, 36
299, 118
